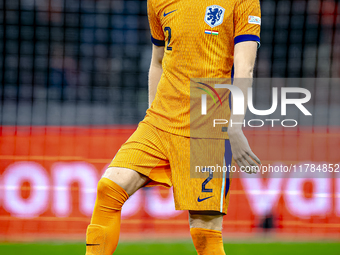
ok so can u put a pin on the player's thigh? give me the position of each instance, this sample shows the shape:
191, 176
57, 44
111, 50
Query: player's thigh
130, 180
206, 219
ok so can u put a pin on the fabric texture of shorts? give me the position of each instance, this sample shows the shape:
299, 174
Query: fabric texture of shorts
192, 166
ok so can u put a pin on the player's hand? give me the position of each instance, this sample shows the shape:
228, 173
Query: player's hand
242, 153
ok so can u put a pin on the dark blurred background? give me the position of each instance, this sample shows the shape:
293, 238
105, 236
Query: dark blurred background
86, 62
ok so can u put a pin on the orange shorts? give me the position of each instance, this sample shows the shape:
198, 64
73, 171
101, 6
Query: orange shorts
194, 167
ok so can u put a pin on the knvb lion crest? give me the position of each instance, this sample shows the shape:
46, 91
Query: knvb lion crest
214, 15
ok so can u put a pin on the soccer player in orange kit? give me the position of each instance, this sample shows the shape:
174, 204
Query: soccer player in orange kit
191, 39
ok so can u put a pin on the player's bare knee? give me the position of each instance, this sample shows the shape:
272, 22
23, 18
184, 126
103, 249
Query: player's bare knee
206, 220
128, 179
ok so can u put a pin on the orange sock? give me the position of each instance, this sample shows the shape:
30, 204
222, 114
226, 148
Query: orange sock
207, 241
103, 233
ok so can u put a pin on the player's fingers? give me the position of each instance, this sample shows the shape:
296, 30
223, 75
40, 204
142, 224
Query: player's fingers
250, 160
246, 167
238, 162
251, 154
254, 167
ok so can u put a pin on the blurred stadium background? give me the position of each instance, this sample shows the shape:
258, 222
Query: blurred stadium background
73, 88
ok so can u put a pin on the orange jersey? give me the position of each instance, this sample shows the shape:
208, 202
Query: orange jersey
199, 38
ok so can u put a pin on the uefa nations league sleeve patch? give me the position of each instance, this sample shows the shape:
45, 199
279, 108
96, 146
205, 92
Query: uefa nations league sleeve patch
254, 20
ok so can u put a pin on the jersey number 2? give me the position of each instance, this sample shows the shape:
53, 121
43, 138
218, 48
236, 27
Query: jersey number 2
206, 182
169, 37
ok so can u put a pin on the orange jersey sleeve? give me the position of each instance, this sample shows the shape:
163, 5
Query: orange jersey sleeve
157, 35
247, 21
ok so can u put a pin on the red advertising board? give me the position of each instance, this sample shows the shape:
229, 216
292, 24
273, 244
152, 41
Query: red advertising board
48, 179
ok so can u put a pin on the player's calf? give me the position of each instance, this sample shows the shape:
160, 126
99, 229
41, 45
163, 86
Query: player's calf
206, 232
103, 233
